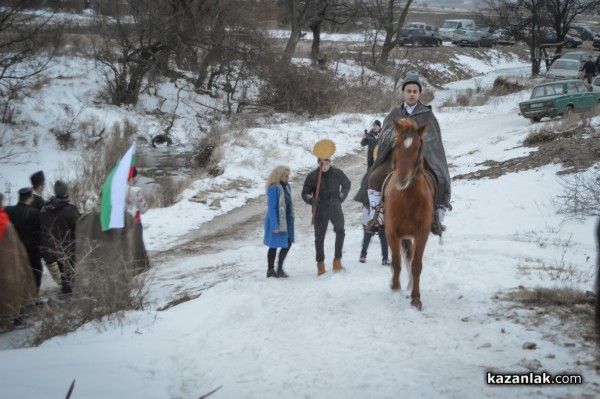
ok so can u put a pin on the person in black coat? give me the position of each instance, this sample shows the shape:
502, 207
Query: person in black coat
58, 219
38, 182
333, 190
371, 186
370, 139
26, 220
589, 70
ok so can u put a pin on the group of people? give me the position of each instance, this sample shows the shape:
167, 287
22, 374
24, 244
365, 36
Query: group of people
326, 187
46, 231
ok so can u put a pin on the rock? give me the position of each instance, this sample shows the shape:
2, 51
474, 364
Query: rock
530, 345
531, 365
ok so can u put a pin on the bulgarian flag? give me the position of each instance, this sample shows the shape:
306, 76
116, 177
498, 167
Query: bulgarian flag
114, 192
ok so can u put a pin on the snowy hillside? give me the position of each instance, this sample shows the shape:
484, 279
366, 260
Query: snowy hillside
344, 335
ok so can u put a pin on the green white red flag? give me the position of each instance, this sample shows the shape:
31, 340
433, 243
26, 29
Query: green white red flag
114, 192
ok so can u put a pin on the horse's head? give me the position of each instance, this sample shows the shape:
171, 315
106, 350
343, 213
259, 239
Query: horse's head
408, 150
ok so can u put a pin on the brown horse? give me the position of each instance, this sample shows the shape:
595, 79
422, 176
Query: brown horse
408, 205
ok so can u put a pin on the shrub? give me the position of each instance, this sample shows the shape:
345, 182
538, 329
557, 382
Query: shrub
98, 162
300, 89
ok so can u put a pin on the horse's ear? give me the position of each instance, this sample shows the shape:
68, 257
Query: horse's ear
422, 129
397, 124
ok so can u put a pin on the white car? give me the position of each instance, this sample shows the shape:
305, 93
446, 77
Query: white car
564, 69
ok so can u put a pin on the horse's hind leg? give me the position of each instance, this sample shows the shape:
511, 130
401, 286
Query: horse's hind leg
396, 260
416, 267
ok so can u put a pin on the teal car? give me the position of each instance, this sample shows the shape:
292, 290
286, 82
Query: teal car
558, 98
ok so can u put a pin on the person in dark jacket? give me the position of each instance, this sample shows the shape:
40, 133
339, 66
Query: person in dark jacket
279, 219
58, 219
370, 139
371, 187
38, 182
26, 220
333, 190
589, 70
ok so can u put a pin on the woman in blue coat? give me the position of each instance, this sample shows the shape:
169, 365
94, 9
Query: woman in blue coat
279, 220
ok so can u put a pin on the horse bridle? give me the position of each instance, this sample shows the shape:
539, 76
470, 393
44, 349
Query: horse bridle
418, 162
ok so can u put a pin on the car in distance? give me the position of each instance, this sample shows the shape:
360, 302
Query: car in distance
418, 37
596, 84
503, 37
477, 39
585, 32
451, 25
568, 41
565, 69
558, 98
596, 42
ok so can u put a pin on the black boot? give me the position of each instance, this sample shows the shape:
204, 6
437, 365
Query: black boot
271, 272
436, 225
281, 273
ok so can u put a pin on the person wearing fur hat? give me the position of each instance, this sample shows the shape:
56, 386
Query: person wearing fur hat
279, 220
38, 182
435, 156
58, 219
370, 139
333, 190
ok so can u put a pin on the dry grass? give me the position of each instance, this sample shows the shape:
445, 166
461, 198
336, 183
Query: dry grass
98, 161
167, 190
479, 95
546, 297
542, 306
185, 297
100, 294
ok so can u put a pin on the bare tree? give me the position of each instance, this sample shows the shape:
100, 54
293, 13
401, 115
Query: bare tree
28, 42
338, 12
562, 13
299, 14
129, 45
530, 20
389, 16
525, 20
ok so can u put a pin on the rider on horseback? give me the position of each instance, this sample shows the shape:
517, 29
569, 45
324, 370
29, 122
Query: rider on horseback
435, 157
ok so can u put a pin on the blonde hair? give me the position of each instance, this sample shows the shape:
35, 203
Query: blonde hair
275, 175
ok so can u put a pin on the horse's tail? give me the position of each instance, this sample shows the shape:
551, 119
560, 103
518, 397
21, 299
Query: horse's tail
597, 284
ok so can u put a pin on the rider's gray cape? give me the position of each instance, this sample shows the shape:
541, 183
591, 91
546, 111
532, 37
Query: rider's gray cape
435, 155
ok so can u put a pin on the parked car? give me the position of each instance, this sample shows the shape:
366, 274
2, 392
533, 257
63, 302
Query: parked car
568, 41
418, 37
585, 32
565, 69
574, 33
580, 56
458, 35
477, 39
596, 42
421, 25
503, 37
596, 84
558, 98
451, 25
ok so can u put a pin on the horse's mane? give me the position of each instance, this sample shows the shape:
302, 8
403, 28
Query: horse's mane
406, 124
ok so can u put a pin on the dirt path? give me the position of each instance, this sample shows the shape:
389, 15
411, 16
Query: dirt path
226, 231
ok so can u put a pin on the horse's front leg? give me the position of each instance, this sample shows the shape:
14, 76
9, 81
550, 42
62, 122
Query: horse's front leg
394, 244
416, 267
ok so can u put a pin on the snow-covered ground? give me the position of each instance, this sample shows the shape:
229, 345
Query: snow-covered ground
344, 335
